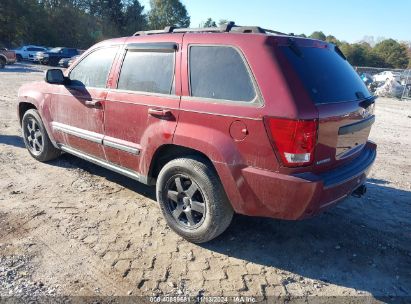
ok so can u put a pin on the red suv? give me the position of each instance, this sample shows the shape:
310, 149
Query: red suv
221, 120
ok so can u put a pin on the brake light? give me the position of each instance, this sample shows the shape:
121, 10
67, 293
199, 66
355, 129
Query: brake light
294, 140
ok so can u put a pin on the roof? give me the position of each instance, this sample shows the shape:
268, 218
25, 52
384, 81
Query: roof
225, 28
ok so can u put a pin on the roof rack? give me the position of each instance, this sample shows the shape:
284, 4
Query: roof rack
228, 27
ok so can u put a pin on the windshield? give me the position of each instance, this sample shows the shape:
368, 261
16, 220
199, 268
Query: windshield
55, 50
326, 75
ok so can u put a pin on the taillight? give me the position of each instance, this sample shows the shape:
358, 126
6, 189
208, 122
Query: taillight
294, 140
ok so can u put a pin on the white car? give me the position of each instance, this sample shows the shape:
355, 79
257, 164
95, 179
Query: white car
387, 75
28, 52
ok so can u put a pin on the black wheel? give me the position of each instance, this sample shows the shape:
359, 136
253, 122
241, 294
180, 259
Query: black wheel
193, 200
2, 63
36, 138
19, 58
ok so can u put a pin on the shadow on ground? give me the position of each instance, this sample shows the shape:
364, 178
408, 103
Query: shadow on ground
343, 246
21, 68
12, 140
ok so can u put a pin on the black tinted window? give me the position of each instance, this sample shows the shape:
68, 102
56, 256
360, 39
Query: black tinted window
325, 74
219, 73
147, 72
93, 70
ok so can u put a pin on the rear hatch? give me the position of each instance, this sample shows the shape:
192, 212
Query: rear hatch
344, 104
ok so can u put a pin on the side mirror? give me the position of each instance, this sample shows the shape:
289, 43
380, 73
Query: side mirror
54, 76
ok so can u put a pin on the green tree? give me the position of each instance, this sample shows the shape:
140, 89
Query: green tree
318, 35
332, 39
135, 19
393, 53
222, 22
210, 23
167, 12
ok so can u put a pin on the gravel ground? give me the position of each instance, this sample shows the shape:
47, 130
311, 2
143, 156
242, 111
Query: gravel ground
70, 228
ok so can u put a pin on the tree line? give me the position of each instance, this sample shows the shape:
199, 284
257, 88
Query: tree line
387, 53
81, 23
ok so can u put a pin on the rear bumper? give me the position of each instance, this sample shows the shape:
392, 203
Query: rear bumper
271, 194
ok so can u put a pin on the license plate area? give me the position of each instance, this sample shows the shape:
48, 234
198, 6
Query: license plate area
353, 137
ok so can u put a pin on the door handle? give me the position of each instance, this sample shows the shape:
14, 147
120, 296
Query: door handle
159, 112
93, 103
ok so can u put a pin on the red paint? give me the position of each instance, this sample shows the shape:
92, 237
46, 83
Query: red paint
233, 136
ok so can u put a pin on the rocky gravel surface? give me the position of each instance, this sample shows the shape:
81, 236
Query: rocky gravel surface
69, 229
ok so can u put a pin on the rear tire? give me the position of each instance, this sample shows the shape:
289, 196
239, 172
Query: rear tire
2, 63
36, 138
192, 199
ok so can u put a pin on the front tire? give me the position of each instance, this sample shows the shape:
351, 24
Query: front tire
2, 63
36, 138
192, 199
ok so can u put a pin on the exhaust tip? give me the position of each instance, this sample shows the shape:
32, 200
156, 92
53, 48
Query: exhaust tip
360, 191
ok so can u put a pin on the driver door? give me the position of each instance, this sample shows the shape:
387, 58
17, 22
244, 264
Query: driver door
77, 109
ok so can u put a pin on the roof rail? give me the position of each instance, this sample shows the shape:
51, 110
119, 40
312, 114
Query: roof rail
228, 27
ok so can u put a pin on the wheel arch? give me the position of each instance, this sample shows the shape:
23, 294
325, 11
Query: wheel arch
3, 57
23, 108
167, 153
226, 175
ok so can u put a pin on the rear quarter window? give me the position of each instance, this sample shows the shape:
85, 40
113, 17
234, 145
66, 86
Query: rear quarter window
219, 72
326, 75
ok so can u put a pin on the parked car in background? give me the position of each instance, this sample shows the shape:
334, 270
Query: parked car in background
6, 57
28, 52
73, 59
53, 56
66, 62
387, 75
233, 120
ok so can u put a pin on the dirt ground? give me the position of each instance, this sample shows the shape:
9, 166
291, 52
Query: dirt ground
71, 228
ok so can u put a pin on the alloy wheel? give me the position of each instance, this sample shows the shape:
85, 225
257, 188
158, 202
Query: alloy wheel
185, 201
34, 136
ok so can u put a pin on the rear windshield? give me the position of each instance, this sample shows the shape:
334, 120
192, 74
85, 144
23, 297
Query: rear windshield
326, 75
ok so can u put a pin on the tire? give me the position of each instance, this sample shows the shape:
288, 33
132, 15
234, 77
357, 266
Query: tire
36, 138
19, 58
53, 62
192, 199
2, 63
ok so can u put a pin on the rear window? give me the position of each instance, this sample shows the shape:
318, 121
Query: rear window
326, 75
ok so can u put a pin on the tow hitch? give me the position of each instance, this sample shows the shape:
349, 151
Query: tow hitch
360, 191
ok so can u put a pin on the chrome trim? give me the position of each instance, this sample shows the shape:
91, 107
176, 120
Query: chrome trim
112, 144
81, 133
103, 163
149, 94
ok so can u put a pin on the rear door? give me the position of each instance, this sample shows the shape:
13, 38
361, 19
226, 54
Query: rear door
142, 107
345, 106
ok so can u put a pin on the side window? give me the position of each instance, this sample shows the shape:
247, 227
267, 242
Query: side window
219, 72
93, 70
147, 71
31, 49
